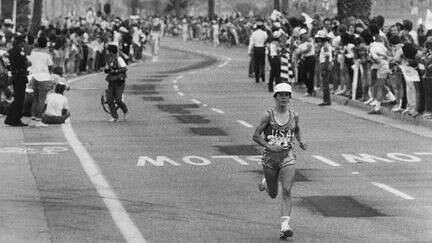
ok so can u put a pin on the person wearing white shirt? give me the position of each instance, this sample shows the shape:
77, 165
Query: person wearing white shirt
306, 56
56, 106
40, 71
257, 49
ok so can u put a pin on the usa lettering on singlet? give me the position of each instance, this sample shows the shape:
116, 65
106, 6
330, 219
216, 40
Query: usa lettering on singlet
283, 135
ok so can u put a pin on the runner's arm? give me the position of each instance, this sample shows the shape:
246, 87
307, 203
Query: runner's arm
297, 132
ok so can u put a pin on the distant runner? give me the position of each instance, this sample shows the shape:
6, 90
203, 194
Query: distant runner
280, 125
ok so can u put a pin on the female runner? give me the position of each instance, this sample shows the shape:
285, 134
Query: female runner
280, 125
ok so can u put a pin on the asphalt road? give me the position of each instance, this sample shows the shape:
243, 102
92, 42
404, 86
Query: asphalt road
183, 167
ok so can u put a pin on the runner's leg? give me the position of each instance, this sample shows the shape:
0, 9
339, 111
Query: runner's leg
271, 176
286, 177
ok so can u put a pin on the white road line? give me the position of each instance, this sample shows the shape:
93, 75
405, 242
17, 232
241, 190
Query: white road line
121, 218
179, 77
423, 153
44, 144
392, 190
355, 173
204, 105
218, 111
245, 123
174, 81
325, 160
196, 101
180, 93
225, 63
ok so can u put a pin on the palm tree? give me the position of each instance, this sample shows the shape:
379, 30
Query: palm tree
359, 9
37, 17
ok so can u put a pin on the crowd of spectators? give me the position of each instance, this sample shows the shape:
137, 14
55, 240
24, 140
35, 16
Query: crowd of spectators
366, 60
67, 47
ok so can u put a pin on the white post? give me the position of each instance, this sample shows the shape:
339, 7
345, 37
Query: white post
14, 14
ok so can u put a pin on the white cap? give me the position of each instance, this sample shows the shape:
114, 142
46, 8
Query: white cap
282, 87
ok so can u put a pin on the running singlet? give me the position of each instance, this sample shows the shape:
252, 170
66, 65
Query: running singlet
283, 135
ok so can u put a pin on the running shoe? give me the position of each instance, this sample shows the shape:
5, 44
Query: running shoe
286, 231
112, 119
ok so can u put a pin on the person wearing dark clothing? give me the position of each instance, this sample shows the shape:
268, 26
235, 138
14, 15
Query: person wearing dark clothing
18, 68
116, 70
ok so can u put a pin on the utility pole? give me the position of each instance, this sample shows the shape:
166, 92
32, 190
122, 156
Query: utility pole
276, 5
211, 8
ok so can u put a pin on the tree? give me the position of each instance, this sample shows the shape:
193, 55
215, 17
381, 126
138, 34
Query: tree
36, 18
276, 4
23, 12
355, 8
134, 7
284, 5
211, 8
177, 6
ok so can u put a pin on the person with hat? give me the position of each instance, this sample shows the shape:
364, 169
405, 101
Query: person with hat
280, 126
256, 48
306, 56
56, 106
325, 64
18, 67
274, 57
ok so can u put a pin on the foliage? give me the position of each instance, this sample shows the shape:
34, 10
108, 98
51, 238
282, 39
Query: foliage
37, 17
355, 8
23, 11
178, 7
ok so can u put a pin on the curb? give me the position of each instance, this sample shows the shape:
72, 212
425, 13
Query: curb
385, 111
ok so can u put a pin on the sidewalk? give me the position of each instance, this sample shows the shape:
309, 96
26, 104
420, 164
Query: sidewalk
386, 110
22, 214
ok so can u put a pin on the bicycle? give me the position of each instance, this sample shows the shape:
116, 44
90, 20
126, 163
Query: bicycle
104, 102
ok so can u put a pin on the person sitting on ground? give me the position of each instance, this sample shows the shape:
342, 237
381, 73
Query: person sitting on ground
56, 106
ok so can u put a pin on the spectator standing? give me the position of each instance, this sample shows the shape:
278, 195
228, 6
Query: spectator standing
18, 67
325, 65
274, 49
257, 47
306, 57
40, 71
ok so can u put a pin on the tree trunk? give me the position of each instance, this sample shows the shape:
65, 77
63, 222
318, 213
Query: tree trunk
355, 8
134, 7
36, 18
284, 5
211, 8
276, 5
